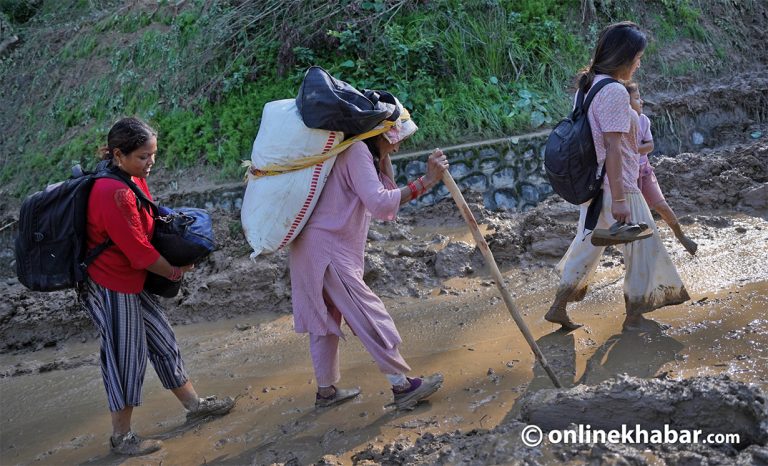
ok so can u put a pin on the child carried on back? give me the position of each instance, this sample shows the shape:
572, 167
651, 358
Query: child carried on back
647, 182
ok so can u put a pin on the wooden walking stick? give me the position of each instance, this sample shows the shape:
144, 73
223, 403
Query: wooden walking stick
483, 246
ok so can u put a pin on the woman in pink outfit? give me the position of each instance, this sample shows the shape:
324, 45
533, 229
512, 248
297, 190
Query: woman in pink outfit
327, 260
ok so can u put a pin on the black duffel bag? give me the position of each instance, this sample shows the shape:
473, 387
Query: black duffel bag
325, 102
183, 236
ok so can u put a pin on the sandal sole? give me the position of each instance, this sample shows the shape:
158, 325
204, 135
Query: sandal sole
602, 237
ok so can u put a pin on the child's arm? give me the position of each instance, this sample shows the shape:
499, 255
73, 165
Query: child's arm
645, 147
646, 138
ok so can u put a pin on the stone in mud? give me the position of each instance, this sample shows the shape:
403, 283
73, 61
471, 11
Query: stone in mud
375, 268
400, 233
756, 197
713, 404
554, 247
454, 260
715, 221
219, 283
374, 235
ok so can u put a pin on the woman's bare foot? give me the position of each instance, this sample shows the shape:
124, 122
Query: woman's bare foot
558, 315
689, 244
639, 323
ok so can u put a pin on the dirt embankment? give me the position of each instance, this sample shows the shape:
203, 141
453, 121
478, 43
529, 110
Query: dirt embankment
725, 179
709, 404
700, 117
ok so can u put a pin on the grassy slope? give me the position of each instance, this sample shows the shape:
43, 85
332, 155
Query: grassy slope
201, 71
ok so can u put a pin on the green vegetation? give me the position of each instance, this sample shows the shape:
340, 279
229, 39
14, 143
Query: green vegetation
202, 72
19, 11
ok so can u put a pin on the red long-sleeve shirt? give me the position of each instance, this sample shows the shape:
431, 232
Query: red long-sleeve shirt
113, 213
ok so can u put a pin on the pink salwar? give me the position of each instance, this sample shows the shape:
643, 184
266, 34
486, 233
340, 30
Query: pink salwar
325, 348
327, 261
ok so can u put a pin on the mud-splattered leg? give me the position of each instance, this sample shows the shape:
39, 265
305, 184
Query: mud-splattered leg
671, 219
557, 313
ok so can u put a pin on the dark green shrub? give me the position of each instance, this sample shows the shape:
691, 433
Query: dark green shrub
20, 11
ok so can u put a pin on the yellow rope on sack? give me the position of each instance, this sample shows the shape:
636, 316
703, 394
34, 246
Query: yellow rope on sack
304, 162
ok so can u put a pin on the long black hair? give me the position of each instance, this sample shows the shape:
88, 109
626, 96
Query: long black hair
616, 48
371, 143
128, 134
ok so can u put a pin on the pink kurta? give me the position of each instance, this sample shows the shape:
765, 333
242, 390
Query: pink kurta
335, 237
610, 112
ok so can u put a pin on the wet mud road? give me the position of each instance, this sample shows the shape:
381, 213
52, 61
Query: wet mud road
459, 327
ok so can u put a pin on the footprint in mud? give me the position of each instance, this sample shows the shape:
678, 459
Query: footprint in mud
75, 443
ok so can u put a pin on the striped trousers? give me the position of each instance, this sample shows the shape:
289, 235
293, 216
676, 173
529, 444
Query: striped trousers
132, 326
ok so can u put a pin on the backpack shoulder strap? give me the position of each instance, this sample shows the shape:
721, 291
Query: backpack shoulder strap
595, 89
91, 255
119, 175
579, 99
144, 201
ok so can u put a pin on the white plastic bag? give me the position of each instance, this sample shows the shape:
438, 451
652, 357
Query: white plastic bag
276, 208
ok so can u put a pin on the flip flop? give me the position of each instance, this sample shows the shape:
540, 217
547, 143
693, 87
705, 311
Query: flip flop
620, 233
624, 229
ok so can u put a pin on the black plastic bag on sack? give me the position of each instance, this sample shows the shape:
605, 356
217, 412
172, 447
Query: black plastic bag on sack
325, 102
183, 237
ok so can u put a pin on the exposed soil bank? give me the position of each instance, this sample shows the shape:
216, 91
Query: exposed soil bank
714, 405
708, 115
503, 444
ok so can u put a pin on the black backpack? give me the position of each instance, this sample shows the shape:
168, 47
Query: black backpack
325, 102
569, 155
50, 250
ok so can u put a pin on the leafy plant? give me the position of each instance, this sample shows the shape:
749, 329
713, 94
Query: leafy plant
530, 103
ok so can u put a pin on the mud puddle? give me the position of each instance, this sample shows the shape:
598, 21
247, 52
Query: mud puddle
459, 327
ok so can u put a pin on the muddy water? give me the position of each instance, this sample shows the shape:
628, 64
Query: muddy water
463, 331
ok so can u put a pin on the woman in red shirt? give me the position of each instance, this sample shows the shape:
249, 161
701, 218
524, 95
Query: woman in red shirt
131, 322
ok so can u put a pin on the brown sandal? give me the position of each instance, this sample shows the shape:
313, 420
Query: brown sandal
620, 233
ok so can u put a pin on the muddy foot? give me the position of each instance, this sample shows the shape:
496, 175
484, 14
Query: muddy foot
559, 316
641, 324
689, 244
